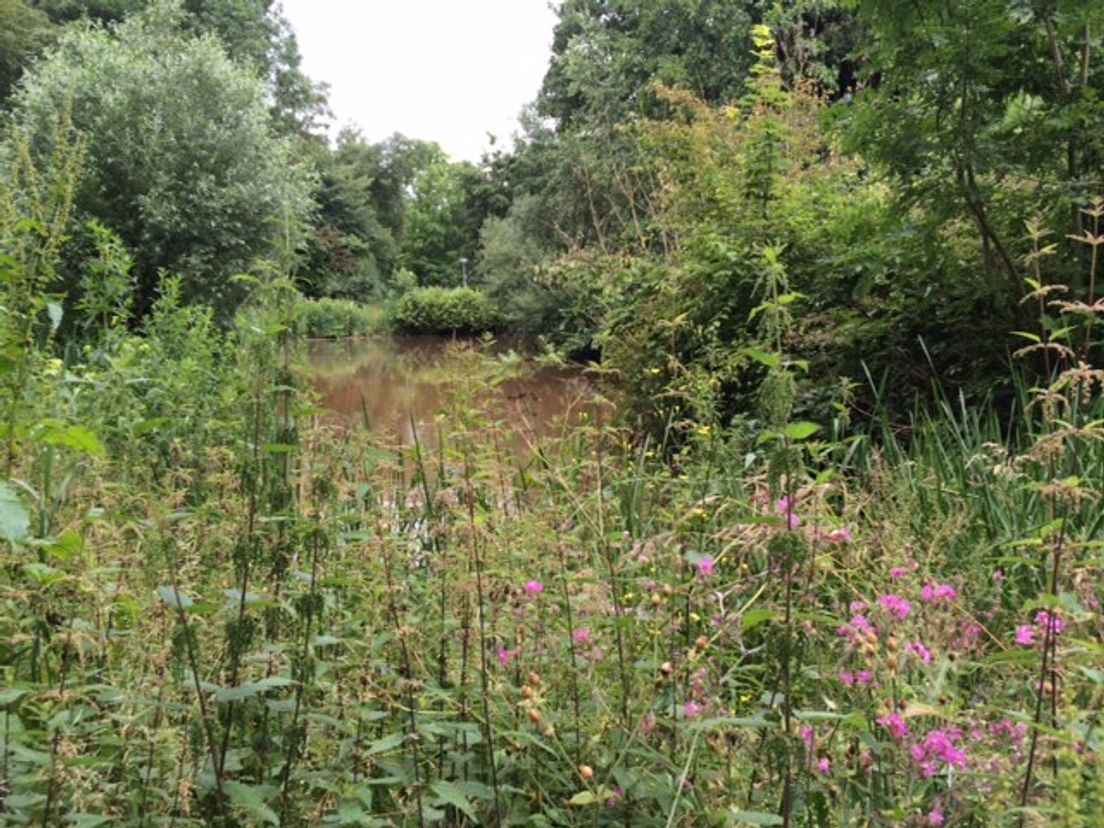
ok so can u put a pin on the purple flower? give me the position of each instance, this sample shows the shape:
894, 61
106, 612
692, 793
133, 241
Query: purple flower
505, 655
691, 709
1025, 635
935, 816
1045, 619
933, 593
533, 587
898, 572
896, 606
824, 765
847, 678
581, 635
707, 566
922, 651
896, 726
785, 506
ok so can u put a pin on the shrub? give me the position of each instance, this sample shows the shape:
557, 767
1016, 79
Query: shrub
333, 318
444, 310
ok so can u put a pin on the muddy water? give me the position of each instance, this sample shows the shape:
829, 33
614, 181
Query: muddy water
391, 381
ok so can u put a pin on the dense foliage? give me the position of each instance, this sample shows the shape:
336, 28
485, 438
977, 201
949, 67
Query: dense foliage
443, 310
828, 554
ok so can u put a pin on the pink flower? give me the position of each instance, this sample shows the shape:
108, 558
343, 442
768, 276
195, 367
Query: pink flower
935, 816
896, 726
785, 506
1025, 635
898, 572
691, 709
998, 576
896, 606
505, 655
841, 535
864, 677
1044, 619
847, 678
808, 736
581, 635
858, 606
938, 592
824, 766
922, 651
533, 587
706, 566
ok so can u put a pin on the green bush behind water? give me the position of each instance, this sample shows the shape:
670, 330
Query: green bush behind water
335, 318
444, 310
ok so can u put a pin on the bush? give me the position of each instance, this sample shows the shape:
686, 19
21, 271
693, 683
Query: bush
444, 310
334, 318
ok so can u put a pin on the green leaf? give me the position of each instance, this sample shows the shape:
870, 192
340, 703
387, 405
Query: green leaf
584, 798
87, 820
251, 689
772, 361
386, 743
55, 312
801, 431
251, 799
756, 818
75, 437
14, 518
753, 618
174, 598
448, 794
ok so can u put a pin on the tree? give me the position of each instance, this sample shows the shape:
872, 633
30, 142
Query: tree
24, 32
182, 162
987, 111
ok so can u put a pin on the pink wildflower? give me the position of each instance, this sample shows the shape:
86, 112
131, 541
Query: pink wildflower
898, 572
998, 576
840, 535
896, 726
1045, 619
864, 677
581, 635
534, 587
1025, 635
808, 736
824, 765
938, 592
706, 566
935, 816
691, 709
847, 678
505, 655
785, 506
922, 651
896, 606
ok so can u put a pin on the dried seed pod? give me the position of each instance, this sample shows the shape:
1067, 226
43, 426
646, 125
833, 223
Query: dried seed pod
586, 771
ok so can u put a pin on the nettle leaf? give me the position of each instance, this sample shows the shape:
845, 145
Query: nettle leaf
251, 689
756, 818
801, 431
55, 312
76, 437
251, 799
174, 598
386, 743
449, 794
14, 517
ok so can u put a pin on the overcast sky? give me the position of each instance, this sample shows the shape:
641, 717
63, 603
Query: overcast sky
443, 70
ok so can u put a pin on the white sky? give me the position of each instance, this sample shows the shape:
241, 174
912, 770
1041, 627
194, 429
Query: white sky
441, 70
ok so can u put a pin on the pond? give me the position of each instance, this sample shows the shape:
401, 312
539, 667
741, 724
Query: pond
391, 382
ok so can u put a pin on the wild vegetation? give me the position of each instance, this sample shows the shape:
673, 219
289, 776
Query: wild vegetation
822, 546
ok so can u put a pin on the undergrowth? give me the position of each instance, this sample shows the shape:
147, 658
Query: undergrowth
220, 608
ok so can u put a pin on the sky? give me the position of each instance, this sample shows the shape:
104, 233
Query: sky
440, 70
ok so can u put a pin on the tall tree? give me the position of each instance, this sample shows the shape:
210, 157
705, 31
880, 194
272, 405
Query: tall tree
182, 161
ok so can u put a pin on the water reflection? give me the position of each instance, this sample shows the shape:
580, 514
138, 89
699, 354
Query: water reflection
389, 381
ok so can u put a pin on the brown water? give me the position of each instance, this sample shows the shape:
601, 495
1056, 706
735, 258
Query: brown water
391, 380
